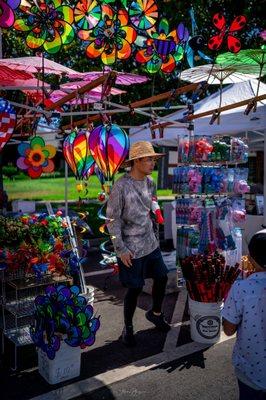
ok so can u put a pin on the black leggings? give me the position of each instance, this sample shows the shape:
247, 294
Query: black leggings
131, 297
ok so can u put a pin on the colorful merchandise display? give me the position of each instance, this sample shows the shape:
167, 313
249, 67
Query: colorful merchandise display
206, 149
209, 209
63, 313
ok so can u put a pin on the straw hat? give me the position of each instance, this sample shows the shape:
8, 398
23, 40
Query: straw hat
139, 150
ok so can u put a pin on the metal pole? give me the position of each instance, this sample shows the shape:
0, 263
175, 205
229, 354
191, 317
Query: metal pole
66, 189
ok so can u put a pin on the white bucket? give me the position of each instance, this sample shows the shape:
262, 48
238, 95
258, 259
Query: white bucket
205, 321
65, 365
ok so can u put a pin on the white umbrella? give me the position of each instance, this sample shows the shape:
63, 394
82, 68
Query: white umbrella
215, 74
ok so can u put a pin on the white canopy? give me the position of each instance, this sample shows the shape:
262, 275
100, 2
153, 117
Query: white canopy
232, 121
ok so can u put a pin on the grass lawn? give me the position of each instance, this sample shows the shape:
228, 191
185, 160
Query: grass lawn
54, 189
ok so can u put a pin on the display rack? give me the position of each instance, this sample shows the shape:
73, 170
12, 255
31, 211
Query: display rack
203, 195
18, 292
17, 303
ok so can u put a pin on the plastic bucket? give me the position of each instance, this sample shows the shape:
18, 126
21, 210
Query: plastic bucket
205, 321
65, 365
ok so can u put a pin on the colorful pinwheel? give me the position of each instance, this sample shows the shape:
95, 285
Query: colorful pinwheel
77, 154
161, 51
87, 14
233, 43
35, 157
7, 16
143, 14
112, 38
109, 146
8, 120
48, 23
63, 311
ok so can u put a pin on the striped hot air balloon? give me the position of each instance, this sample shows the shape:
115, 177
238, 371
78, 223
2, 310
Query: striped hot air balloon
109, 146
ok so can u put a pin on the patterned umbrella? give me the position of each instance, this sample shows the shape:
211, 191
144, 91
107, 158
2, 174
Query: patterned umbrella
250, 60
122, 78
35, 64
215, 74
9, 74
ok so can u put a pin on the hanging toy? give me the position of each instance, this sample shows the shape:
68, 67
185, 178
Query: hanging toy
157, 211
202, 149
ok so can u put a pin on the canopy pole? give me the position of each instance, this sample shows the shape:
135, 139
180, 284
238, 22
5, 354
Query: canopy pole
264, 183
66, 189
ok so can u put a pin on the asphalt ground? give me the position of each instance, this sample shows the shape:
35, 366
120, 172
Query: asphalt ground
161, 366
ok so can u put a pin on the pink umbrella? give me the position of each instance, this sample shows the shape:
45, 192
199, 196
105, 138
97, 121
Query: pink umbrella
123, 78
35, 64
33, 88
9, 75
91, 97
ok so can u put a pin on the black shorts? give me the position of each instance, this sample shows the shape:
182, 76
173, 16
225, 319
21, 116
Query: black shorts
150, 266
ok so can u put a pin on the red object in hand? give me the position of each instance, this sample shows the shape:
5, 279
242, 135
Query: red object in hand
157, 211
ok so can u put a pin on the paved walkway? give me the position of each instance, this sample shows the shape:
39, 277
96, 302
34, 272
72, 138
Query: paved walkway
161, 365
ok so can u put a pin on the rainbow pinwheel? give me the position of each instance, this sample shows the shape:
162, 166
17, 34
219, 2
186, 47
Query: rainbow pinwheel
62, 311
7, 16
87, 14
143, 14
48, 24
109, 146
112, 38
161, 50
35, 157
77, 154
8, 120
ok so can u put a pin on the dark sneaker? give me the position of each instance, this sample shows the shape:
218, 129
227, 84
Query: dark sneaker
158, 321
128, 336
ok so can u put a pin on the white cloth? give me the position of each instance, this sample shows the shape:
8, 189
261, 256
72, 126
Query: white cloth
245, 306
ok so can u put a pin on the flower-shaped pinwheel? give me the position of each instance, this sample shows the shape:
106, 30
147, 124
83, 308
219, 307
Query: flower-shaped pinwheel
62, 311
36, 157
112, 38
48, 23
161, 51
7, 16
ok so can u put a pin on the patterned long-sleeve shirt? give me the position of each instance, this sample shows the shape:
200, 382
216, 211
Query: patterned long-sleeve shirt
129, 212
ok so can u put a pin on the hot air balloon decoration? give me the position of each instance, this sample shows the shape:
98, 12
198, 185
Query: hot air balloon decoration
109, 146
77, 155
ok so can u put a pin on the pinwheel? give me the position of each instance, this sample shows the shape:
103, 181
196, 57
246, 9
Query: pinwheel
143, 14
7, 122
87, 14
233, 43
77, 154
109, 146
161, 50
63, 311
48, 24
36, 157
7, 16
112, 38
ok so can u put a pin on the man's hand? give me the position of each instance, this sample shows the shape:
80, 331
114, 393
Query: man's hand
126, 258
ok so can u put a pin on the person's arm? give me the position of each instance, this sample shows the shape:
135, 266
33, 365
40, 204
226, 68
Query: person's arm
229, 328
114, 211
232, 311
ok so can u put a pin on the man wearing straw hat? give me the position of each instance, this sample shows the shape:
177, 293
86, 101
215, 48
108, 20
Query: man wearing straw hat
245, 313
132, 230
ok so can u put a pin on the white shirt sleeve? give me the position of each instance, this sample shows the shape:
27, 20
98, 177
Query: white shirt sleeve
233, 306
